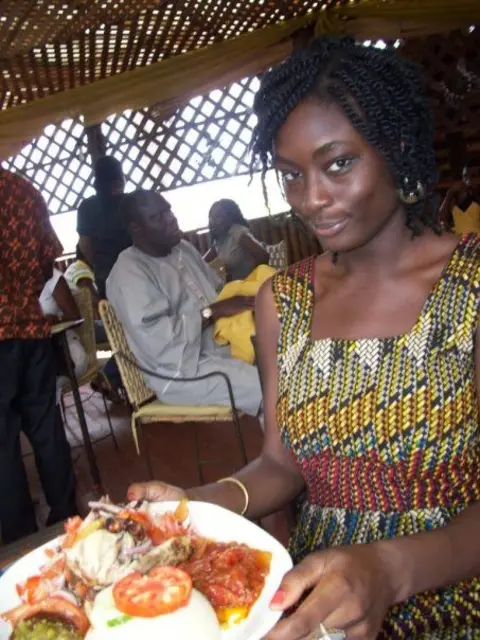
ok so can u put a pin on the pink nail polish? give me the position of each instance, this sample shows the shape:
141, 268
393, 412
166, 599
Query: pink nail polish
278, 599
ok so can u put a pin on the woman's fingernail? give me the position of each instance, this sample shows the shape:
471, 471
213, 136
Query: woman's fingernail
278, 599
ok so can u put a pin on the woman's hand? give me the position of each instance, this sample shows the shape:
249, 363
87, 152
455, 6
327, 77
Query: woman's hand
352, 589
154, 492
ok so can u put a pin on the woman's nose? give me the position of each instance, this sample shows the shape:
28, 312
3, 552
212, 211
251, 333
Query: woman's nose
316, 195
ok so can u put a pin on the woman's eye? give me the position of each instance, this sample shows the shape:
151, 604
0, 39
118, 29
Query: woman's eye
290, 176
340, 166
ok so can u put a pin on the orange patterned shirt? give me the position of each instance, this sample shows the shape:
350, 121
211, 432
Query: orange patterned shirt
28, 249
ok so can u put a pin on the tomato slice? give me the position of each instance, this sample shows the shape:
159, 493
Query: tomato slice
163, 590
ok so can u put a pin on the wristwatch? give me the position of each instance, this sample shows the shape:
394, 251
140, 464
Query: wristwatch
207, 313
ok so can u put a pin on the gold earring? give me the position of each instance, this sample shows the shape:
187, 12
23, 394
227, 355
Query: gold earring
409, 195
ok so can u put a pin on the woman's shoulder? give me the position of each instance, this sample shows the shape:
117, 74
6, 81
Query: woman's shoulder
469, 259
236, 231
294, 276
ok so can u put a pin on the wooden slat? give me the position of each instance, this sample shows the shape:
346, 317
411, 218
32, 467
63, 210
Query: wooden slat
105, 52
36, 76
131, 41
71, 65
92, 53
160, 46
59, 65
82, 50
146, 18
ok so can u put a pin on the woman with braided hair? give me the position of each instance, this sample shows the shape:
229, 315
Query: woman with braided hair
370, 361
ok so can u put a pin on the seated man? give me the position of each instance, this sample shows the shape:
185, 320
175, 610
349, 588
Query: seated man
164, 295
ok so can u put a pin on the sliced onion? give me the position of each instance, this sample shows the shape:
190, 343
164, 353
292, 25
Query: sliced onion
106, 506
140, 549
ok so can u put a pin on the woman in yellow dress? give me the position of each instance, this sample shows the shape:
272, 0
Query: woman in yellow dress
462, 204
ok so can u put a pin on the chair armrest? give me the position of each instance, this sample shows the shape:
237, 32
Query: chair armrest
154, 374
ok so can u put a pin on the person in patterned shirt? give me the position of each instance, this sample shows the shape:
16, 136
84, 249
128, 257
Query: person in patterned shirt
28, 249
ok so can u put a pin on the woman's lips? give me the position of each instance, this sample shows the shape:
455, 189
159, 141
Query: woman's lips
329, 229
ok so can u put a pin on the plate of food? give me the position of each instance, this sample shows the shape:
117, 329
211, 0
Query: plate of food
149, 570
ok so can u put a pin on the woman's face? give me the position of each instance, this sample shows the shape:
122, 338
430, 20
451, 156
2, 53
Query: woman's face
334, 180
218, 219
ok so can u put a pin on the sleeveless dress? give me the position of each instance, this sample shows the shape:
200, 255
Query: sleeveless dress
386, 431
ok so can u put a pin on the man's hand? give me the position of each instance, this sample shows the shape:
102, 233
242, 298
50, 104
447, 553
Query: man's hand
232, 306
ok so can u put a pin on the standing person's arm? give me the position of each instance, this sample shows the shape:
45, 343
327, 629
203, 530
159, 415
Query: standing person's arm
65, 300
273, 480
84, 229
86, 245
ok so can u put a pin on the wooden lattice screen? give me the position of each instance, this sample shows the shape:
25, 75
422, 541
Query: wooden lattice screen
208, 138
205, 140
58, 164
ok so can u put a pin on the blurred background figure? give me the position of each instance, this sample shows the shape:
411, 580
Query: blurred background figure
233, 243
28, 249
102, 234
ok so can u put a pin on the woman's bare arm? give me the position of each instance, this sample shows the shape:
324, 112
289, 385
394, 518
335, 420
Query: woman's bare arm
255, 249
65, 300
446, 556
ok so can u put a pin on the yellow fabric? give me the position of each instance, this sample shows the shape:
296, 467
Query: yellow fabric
238, 330
167, 84
467, 221
158, 409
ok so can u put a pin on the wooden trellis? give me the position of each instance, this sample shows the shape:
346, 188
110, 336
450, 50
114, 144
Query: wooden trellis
208, 138
205, 140
58, 164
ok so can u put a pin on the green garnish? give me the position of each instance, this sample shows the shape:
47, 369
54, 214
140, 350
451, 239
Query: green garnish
116, 622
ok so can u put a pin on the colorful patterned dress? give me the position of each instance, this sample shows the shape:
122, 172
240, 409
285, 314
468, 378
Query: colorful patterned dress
386, 431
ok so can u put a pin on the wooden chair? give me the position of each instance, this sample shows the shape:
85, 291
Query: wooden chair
86, 333
145, 405
278, 255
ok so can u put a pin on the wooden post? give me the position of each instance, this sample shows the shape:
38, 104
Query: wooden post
96, 142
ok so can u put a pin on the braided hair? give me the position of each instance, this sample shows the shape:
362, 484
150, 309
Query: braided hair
382, 95
232, 212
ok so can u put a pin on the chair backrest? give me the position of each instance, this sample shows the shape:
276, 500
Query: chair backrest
86, 332
278, 255
137, 391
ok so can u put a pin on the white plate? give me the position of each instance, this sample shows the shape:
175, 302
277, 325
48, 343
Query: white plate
210, 521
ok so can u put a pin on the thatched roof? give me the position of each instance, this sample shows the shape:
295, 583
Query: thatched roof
48, 46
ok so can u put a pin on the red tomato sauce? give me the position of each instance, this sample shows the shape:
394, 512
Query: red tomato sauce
228, 574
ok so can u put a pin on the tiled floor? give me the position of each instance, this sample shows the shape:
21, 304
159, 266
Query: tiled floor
171, 449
